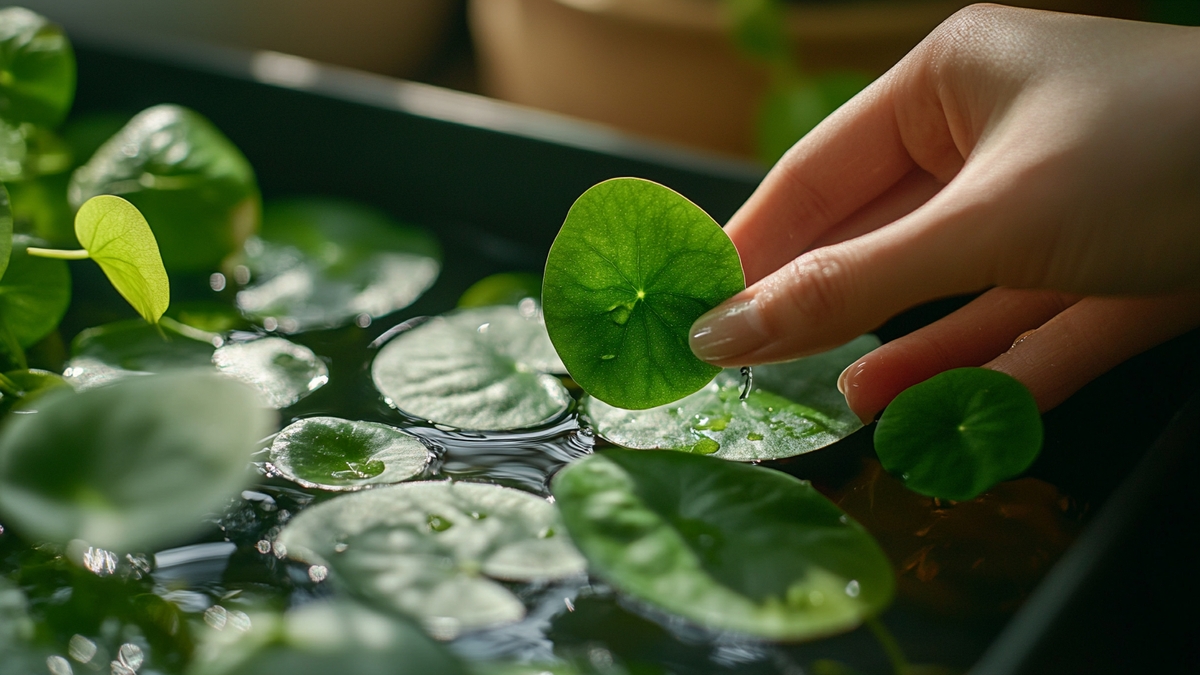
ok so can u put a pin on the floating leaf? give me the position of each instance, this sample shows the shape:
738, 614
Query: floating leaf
6, 230
506, 288
132, 465
102, 354
634, 265
959, 433
119, 239
321, 263
794, 408
37, 69
728, 546
190, 182
474, 369
428, 549
34, 293
30, 385
333, 636
283, 372
336, 454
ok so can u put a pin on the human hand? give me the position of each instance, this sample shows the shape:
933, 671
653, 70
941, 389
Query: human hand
1054, 157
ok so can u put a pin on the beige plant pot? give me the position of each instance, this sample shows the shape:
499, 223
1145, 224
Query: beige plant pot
666, 69
393, 37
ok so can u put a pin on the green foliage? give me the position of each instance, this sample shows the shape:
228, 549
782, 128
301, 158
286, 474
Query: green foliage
320, 263
283, 372
960, 432
759, 30
794, 105
105, 353
506, 288
28, 151
34, 294
336, 454
190, 182
634, 265
6, 230
128, 466
119, 239
431, 550
23, 387
37, 69
728, 546
794, 408
482, 368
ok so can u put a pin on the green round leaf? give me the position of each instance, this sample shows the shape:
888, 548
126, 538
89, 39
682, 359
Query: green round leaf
728, 546
105, 353
33, 384
37, 69
634, 265
474, 369
431, 550
191, 183
335, 454
132, 465
960, 432
34, 293
283, 372
117, 237
794, 408
506, 288
320, 263
6, 230
28, 151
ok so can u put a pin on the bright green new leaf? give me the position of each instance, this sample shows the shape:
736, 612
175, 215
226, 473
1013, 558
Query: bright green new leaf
506, 288
119, 239
34, 293
794, 408
634, 265
129, 466
335, 454
960, 432
482, 368
432, 550
731, 547
105, 353
6, 230
37, 69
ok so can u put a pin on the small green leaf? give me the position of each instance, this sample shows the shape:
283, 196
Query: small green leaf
960, 432
431, 550
119, 239
728, 546
506, 288
192, 184
34, 293
321, 263
283, 372
794, 408
481, 368
6, 230
37, 69
634, 265
336, 454
105, 353
129, 466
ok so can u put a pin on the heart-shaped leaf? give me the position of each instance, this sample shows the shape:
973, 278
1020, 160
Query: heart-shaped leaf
728, 546
959, 433
634, 265
336, 454
119, 239
794, 408
431, 550
321, 263
34, 293
132, 465
38, 67
283, 372
474, 369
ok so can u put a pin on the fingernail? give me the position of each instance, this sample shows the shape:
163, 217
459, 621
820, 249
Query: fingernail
728, 331
844, 384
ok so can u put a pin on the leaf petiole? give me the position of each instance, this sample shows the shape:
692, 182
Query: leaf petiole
79, 254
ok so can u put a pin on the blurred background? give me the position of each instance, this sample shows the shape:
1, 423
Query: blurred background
742, 78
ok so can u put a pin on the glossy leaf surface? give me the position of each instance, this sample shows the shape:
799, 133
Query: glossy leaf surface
37, 69
506, 288
119, 239
31, 384
28, 151
109, 352
959, 433
132, 465
479, 368
432, 550
794, 408
320, 263
634, 265
34, 293
336, 454
191, 183
283, 372
727, 546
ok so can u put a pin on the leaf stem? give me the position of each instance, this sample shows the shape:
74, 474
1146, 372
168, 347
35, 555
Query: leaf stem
79, 254
891, 647
10, 388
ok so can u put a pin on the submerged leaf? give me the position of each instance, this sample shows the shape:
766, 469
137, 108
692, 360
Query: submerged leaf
474, 369
428, 549
117, 237
728, 546
336, 454
794, 408
132, 465
34, 293
634, 265
283, 372
37, 69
